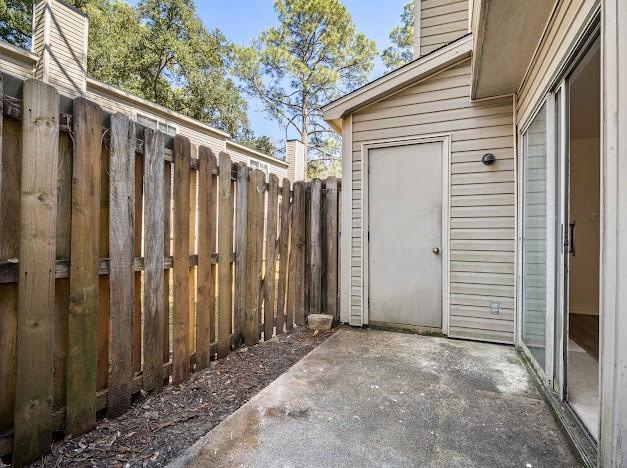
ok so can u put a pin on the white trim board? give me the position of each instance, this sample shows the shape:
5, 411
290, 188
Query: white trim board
445, 139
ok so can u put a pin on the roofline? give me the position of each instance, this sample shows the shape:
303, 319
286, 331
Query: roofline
409, 73
257, 154
67, 5
18, 52
97, 85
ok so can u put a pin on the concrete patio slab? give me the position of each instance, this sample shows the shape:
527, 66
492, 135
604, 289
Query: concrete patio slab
376, 398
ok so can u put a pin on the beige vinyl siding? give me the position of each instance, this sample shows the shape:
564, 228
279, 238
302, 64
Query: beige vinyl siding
482, 204
567, 23
16, 62
441, 22
68, 51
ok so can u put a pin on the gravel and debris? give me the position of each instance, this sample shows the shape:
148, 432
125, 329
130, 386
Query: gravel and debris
159, 427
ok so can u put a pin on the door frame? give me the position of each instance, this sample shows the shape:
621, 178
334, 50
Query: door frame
445, 140
557, 183
545, 372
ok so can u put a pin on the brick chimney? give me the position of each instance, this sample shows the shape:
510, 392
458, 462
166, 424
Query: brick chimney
295, 157
60, 42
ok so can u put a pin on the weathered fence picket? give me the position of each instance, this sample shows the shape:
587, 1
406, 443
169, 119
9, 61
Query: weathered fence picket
271, 256
121, 271
241, 223
36, 293
254, 253
82, 355
330, 236
296, 275
225, 247
180, 313
206, 234
153, 260
127, 241
283, 249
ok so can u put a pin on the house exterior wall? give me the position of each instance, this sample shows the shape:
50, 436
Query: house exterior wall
16, 61
482, 210
440, 22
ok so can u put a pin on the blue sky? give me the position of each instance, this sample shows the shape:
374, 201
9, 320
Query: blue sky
243, 20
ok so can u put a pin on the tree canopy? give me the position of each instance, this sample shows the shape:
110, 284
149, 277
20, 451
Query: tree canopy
15, 21
159, 50
314, 54
402, 37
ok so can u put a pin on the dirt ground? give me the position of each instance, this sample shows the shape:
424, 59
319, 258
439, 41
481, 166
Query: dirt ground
158, 427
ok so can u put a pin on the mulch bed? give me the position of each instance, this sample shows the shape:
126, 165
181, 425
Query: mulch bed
159, 427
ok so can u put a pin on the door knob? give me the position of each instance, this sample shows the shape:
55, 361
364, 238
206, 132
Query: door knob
436, 250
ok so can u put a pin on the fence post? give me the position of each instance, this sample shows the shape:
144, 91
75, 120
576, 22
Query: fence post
121, 272
36, 293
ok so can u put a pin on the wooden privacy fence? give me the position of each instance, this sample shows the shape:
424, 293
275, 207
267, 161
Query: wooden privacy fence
124, 264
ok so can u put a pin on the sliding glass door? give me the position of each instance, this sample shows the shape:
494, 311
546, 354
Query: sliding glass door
535, 249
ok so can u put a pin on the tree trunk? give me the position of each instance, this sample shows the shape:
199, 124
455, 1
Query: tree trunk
304, 133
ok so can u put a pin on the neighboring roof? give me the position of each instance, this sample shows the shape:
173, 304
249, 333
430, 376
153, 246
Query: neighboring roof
177, 117
400, 78
173, 116
17, 52
255, 154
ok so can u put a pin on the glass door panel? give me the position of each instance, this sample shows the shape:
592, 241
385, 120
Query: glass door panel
535, 251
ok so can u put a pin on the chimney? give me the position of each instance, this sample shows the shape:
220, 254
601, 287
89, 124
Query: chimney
60, 42
416, 29
295, 157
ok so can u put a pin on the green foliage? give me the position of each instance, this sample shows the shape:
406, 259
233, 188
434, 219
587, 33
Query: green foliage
15, 21
313, 56
159, 50
322, 169
262, 143
403, 39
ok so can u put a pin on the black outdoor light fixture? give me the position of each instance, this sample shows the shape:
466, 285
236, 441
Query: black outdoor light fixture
488, 159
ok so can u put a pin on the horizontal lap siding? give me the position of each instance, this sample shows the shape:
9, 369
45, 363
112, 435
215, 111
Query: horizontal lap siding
482, 201
68, 51
441, 22
19, 68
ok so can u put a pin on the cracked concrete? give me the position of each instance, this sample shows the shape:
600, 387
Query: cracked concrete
377, 398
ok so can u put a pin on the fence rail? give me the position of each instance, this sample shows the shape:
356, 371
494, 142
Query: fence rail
125, 266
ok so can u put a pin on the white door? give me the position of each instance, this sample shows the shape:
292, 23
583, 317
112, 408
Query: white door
405, 222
